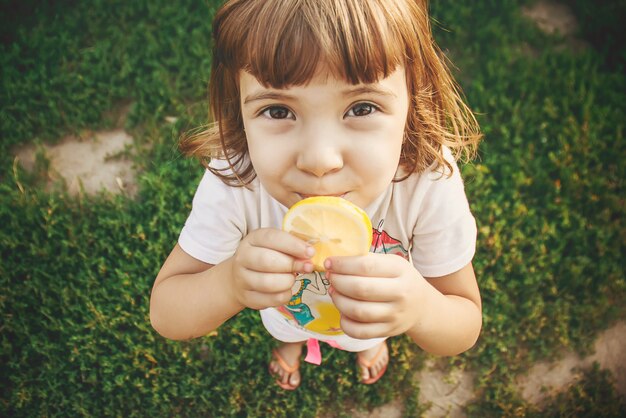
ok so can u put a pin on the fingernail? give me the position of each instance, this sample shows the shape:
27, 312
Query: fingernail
331, 290
327, 264
310, 251
308, 267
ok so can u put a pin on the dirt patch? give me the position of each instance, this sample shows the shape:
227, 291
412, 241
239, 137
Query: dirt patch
92, 163
393, 409
556, 18
446, 393
552, 17
547, 378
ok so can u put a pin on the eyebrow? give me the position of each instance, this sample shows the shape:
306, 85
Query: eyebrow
368, 89
350, 92
267, 95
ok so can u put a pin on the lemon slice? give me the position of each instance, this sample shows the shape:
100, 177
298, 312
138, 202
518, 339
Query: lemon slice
332, 225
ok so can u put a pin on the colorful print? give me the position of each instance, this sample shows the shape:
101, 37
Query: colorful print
383, 243
311, 307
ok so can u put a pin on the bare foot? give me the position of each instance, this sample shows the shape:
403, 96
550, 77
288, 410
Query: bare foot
285, 365
373, 362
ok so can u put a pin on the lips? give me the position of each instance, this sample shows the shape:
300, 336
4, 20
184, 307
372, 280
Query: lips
304, 195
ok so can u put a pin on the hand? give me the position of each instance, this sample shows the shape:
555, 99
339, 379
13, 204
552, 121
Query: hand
378, 295
263, 267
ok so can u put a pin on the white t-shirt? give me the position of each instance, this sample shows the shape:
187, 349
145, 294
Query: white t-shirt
425, 219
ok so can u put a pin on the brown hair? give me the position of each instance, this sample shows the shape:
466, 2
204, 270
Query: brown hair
281, 43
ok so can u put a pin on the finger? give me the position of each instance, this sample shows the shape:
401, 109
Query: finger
282, 242
265, 260
269, 282
364, 330
370, 265
360, 311
259, 300
369, 289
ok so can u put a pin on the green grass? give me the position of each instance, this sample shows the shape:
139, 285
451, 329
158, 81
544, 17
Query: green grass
75, 273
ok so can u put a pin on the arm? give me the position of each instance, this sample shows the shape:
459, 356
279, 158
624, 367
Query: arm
181, 306
453, 317
191, 298
384, 295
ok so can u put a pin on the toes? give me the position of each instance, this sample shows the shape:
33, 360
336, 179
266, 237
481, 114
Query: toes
275, 369
284, 366
380, 365
278, 372
365, 372
374, 366
294, 380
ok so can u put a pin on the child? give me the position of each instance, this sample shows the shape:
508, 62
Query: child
348, 98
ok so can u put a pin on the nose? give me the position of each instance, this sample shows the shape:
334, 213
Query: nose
320, 153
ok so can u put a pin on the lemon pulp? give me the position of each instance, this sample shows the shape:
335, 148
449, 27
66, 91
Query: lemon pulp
332, 225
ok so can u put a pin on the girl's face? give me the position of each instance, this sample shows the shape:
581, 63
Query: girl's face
328, 137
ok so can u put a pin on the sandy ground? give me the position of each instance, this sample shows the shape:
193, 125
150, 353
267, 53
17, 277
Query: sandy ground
448, 393
93, 163
96, 162
544, 379
552, 17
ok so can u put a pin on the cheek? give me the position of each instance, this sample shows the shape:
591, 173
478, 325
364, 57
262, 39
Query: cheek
256, 151
376, 168
383, 149
268, 159
387, 161
260, 158
257, 142
265, 138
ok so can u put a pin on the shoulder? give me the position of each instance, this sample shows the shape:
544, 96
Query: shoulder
252, 204
444, 229
213, 186
218, 219
214, 200
434, 182
433, 199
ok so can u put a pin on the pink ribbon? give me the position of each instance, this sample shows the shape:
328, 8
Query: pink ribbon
313, 352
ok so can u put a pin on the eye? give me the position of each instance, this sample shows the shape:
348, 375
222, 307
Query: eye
278, 112
362, 109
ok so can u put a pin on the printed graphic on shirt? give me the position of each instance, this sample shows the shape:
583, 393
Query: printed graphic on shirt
383, 243
311, 307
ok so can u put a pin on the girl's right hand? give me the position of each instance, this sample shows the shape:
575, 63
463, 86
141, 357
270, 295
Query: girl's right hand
263, 267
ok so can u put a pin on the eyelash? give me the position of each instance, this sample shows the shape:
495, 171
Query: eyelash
373, 107
265, 111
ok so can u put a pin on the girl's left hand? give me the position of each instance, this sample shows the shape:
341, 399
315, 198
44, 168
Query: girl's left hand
378, 295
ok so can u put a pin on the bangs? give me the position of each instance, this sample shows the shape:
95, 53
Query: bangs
284, 42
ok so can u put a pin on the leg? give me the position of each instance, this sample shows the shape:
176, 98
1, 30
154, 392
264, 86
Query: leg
285, 365
373, 363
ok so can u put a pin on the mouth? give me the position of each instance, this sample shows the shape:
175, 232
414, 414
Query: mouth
305, 195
